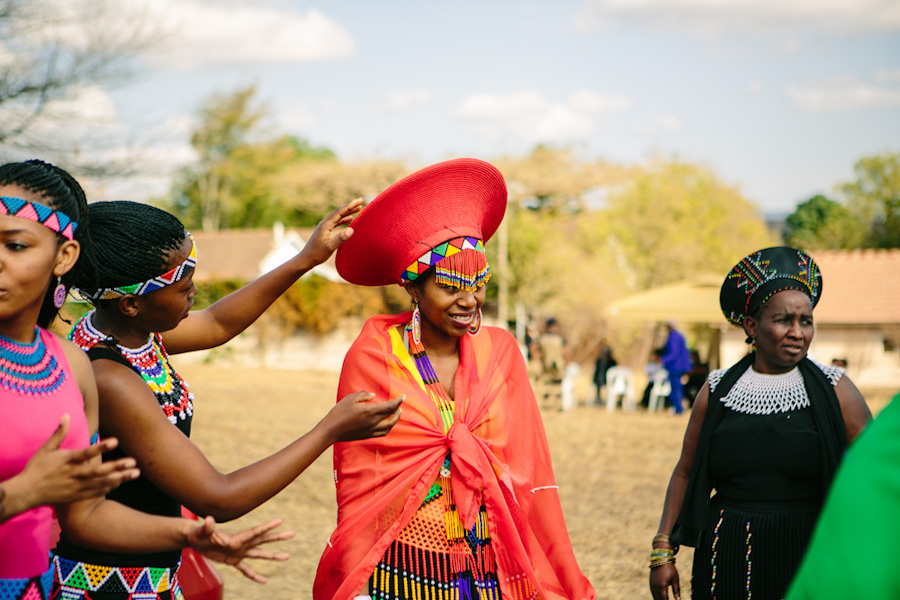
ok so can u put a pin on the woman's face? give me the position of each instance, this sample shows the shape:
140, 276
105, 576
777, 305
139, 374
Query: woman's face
783, 330
446, 310
165, 308
30, 257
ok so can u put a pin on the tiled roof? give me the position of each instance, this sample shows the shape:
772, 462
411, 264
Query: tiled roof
859, 286
233, 253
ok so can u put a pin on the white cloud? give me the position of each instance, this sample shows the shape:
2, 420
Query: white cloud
887, 75
591, 102
842, 95
760, 16
664, 124
202, 33
85, 114
403, 100
755, 87
524, 115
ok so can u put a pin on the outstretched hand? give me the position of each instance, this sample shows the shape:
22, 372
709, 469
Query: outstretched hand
327, 237
55, 476
233, 548
356, 418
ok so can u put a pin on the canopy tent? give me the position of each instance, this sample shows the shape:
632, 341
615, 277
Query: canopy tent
691, 301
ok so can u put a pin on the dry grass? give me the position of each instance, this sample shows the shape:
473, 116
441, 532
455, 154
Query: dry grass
612, 471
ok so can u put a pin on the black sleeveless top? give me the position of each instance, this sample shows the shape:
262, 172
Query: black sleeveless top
139, 494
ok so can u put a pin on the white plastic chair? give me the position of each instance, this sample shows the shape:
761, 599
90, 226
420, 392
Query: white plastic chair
659, 391
619, 387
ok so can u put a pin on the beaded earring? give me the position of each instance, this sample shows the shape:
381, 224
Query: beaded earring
59, 293
475, 327
417, 325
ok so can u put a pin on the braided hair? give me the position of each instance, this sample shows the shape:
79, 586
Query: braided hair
132, 243
60, 191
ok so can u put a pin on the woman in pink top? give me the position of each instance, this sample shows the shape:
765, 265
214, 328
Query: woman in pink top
48, 399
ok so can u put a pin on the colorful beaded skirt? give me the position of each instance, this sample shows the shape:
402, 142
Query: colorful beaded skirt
33, 588
77, 580
435, 558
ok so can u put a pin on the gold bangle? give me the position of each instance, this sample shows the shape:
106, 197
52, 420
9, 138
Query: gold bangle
659, 563
661, 537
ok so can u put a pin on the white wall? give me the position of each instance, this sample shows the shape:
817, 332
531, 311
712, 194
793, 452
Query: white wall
869, 366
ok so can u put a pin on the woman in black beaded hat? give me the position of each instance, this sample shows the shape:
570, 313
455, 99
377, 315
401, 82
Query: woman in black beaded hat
765, 435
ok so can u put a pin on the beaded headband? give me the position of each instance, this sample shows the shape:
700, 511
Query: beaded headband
761, 275
151, 285
56, 220
460, 262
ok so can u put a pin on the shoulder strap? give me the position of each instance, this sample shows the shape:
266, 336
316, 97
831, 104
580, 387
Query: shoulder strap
695, 507
826, 412
103, 352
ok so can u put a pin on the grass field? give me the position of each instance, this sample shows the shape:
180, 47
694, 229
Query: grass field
612, 470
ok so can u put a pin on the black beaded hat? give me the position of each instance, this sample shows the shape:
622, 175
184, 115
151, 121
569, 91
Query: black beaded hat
764, 273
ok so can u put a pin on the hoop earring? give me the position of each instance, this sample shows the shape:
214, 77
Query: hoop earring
417, 326
59, 293
475, 327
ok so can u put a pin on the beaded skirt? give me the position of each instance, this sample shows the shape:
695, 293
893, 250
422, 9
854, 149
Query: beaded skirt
434, 557
76, 580
750, 555
33, 588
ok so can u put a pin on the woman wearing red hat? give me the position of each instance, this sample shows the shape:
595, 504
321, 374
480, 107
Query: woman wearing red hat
459, 500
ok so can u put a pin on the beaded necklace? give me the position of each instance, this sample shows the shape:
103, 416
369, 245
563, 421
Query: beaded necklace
762, 394
29, 369
471, 555
151, 361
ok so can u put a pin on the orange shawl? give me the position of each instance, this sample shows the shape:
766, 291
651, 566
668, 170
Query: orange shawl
499, 456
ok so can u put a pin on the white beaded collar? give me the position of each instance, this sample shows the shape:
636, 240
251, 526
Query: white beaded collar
760, 394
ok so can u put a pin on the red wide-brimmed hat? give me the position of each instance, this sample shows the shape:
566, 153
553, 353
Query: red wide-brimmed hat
464, 197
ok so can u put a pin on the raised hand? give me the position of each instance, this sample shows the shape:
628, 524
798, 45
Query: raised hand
233, 548
327, 237
356, 417
55, 476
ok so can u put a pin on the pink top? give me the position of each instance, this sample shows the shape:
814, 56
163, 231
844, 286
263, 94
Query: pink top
28, 420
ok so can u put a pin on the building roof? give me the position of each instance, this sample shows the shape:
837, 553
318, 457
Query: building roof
859, 286
238, 254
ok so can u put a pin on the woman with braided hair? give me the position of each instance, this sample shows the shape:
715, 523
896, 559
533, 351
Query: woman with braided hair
143, 293
766, 434
48, 399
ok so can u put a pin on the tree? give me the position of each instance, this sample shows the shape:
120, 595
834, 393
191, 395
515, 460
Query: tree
555, 180
244, 178
823, 224
53, 50
676, 220
875, 198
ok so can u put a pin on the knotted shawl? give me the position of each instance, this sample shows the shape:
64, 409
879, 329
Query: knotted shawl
499, 457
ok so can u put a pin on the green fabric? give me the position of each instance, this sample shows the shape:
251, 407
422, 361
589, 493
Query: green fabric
851, 554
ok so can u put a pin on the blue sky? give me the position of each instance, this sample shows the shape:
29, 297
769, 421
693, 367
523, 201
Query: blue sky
779, 98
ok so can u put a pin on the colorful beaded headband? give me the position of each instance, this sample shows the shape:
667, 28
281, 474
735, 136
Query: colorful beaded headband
151, 285
56, 220
459, 262
761, 275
